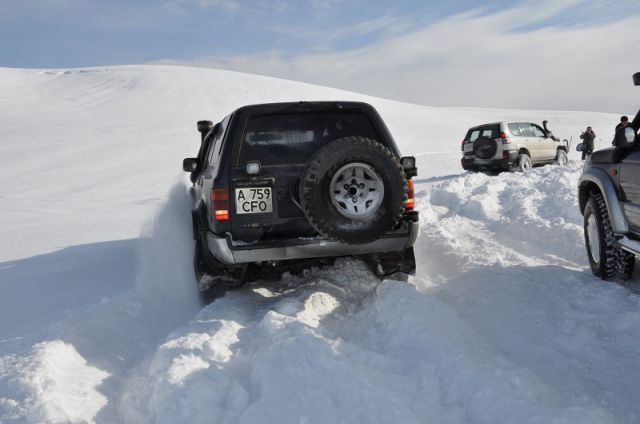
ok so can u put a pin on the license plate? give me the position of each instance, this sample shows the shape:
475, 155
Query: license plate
254, 200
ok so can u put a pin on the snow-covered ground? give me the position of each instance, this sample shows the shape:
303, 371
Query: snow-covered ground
99, 318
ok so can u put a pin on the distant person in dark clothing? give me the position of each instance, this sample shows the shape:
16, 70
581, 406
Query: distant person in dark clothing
588, 138
624, 122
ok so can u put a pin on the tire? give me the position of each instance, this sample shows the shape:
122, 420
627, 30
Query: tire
353, 190
625, 263
200, 267
210, 285
524, 163
602, 251
561, 158
485, 148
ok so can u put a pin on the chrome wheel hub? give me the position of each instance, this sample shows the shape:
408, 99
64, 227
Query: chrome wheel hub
356, 190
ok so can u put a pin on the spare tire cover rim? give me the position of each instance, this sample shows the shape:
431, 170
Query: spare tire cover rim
356, 190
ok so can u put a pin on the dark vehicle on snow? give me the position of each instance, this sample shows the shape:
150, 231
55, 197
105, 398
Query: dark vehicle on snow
609, 196
285, 186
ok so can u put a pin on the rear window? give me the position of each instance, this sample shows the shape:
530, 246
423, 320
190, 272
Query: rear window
293, 138
487, 131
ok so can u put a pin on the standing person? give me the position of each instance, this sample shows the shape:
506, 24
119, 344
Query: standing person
620, 141
624, 122
588, 137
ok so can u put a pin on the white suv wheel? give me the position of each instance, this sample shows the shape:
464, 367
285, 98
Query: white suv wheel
524, 163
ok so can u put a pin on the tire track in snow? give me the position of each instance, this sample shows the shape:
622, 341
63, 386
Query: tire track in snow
507, 253
510, 219
336, 347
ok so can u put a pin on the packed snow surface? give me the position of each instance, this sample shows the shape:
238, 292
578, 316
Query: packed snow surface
100, 321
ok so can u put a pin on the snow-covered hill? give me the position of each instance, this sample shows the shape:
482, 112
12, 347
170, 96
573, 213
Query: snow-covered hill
99, 319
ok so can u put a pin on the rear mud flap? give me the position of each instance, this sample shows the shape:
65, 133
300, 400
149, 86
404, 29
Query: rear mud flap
387, 264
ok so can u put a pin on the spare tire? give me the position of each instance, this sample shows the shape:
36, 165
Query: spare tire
485, 148
353, 190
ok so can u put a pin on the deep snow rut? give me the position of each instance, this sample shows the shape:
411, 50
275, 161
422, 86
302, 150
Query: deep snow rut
336, 346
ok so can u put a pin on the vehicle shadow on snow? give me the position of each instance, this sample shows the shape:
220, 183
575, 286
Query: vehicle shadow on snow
436, 179
39, 289
562, 324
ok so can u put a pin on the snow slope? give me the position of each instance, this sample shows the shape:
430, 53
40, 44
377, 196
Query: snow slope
99, 320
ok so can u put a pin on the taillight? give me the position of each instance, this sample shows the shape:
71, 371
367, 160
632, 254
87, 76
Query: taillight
411, 201
220, 204
505, 138
463, 143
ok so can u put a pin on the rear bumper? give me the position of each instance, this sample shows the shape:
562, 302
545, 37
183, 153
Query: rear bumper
508, 159
227, 252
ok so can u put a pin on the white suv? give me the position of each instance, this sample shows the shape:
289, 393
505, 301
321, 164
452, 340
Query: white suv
511, 145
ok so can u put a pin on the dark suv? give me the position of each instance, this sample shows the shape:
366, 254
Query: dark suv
284, 186
609, 196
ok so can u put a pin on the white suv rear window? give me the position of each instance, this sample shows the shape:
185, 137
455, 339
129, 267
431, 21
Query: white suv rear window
486, 131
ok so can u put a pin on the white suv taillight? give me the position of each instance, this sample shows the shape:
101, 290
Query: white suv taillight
505, 138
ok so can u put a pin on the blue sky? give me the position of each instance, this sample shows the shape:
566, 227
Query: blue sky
65, 33
340, 43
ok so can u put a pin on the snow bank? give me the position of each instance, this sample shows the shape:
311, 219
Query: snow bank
381, 354
510, 219
53, 384
507, 253
203, 371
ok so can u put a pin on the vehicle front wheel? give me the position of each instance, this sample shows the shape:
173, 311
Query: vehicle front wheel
606, 259
561, 158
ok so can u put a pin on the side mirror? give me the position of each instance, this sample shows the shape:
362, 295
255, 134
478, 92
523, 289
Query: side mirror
580, 147
408, 164
636, 78
190, 165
